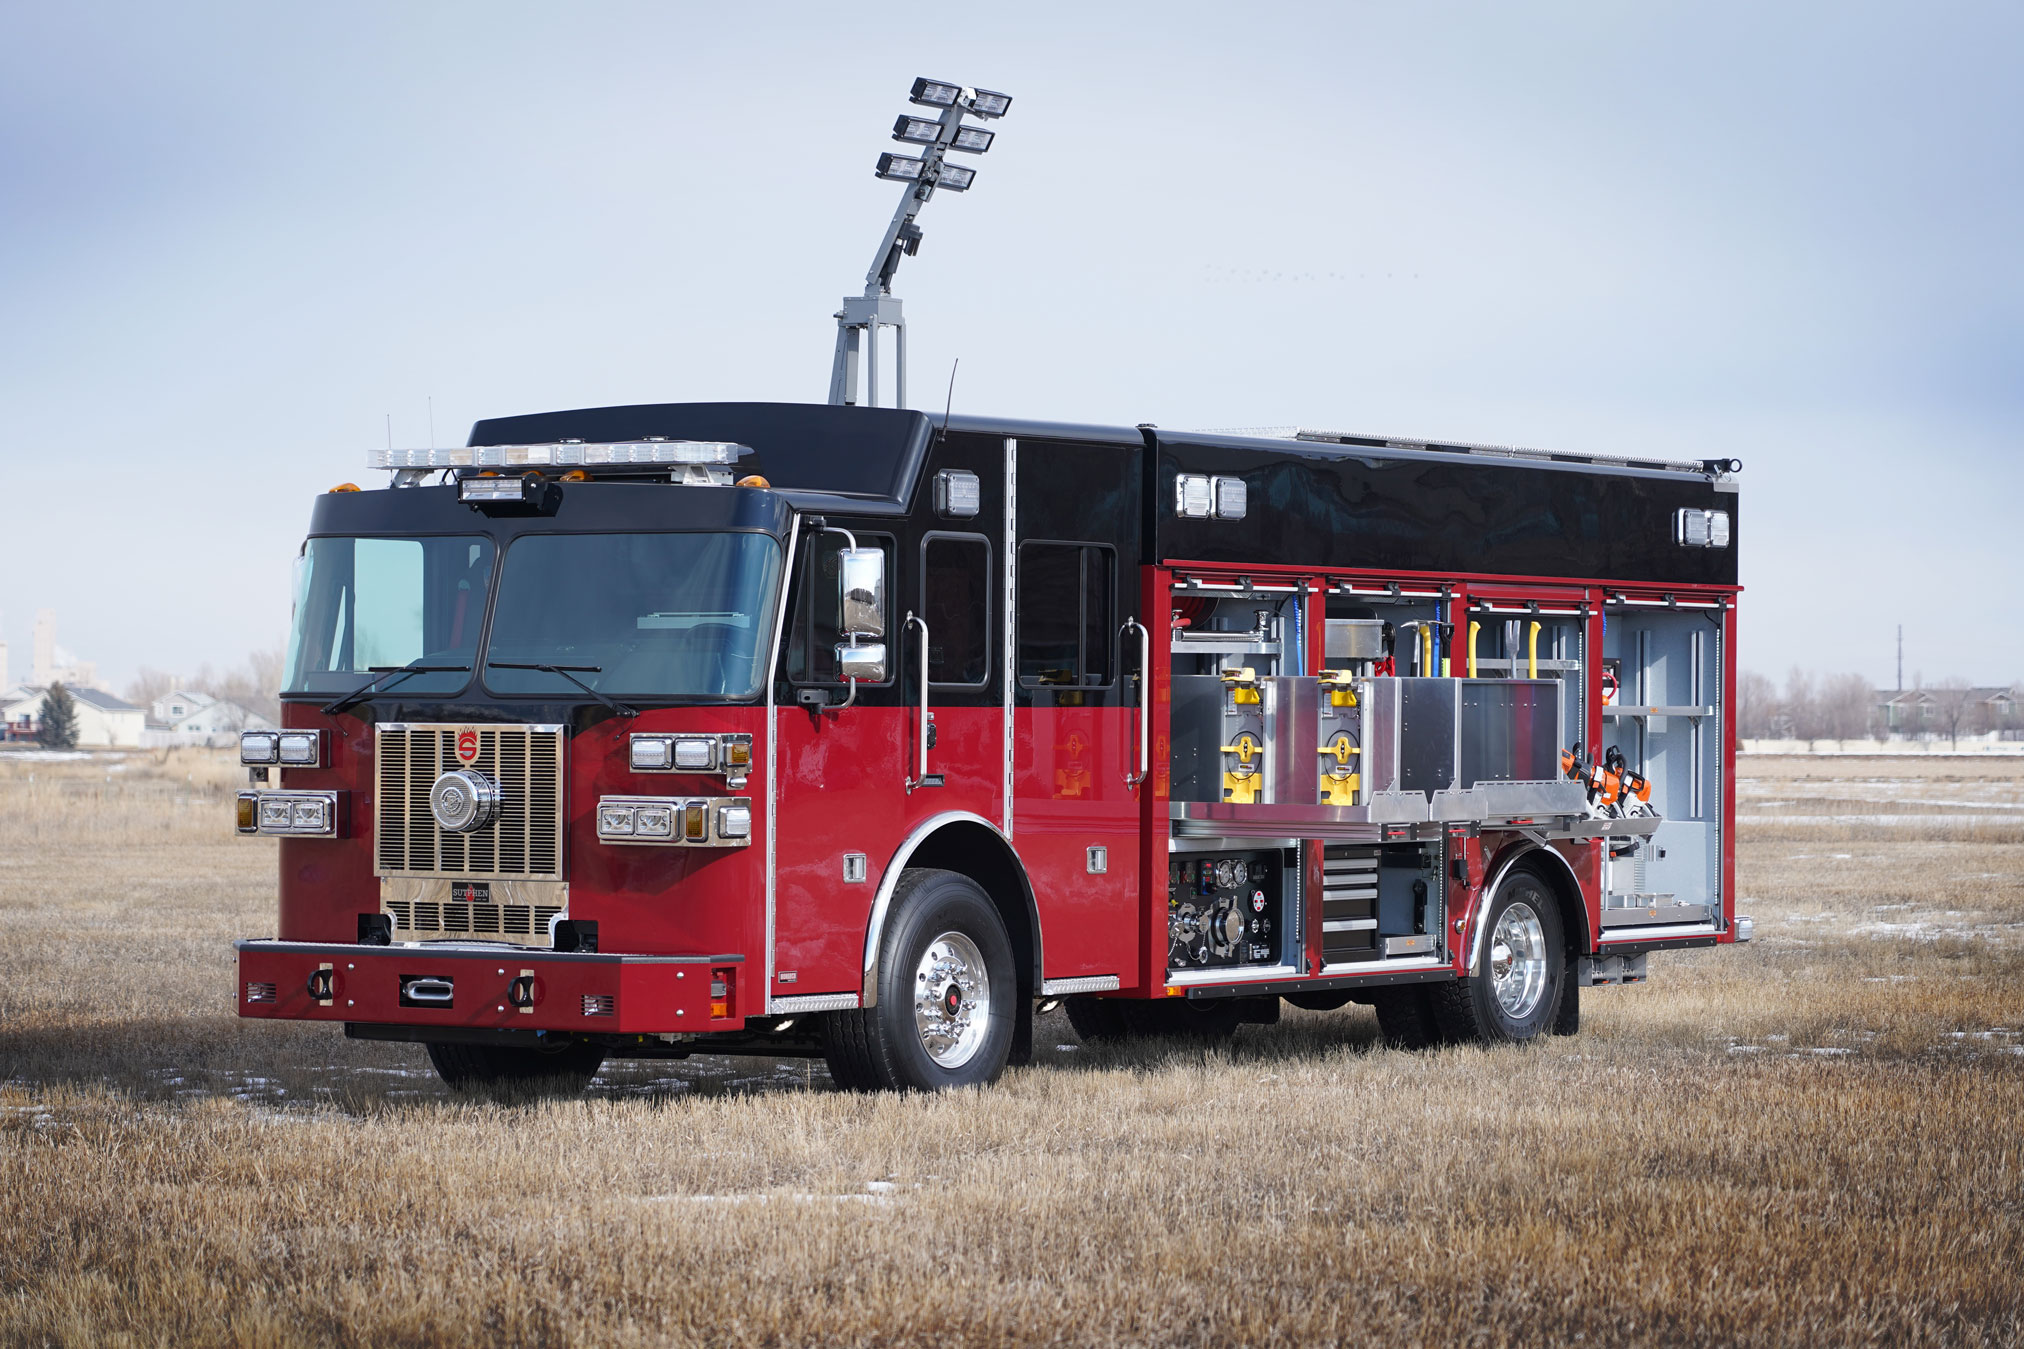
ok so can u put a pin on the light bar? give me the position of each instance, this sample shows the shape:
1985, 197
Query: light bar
918, 130
563, 454
973, 140
934, 93
900, 168
956, 178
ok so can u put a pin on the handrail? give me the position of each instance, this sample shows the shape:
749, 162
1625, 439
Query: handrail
920, 777
1145, 709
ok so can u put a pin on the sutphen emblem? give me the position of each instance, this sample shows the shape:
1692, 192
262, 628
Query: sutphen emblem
467, 746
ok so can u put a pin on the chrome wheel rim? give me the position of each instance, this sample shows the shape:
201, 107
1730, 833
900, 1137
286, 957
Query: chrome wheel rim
1518, 961
952, 1000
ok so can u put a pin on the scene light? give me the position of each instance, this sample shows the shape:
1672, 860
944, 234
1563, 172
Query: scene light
918, 130
973, 139
987, 103
492, 489
936, 94
956, 178
900, 168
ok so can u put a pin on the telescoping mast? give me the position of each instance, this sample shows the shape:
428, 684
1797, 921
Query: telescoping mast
839, 730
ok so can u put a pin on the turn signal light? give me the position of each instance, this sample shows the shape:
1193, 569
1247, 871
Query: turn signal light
695, 821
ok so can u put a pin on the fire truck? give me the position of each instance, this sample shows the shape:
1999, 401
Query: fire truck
861, 732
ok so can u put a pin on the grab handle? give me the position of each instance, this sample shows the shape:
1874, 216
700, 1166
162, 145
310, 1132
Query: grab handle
1145, 707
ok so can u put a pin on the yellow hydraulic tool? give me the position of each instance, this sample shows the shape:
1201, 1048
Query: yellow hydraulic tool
1426, 648
1339, 777
1532, 652
1474, 627
1340, 686
1244, 780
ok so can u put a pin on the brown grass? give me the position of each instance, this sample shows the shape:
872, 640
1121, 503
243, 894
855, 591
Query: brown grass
1812, 1139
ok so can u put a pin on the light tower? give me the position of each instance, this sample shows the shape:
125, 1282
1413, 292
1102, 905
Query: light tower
859, 321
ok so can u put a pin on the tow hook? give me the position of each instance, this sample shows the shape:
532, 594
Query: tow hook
322, 985
521, 991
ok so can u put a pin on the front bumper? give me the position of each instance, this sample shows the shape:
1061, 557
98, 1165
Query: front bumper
489, 987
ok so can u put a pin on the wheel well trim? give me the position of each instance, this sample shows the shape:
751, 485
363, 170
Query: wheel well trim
1480, 923
882, 902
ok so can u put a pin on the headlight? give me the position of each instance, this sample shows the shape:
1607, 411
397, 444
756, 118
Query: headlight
300, 814
676, 821
652, 752
696, 754
300, 749
259, 747
615, 821
654, 822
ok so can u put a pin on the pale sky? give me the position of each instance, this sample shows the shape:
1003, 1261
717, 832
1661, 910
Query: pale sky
234, 239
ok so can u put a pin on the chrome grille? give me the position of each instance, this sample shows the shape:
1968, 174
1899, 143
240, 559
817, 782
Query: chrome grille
523, 841
421, 919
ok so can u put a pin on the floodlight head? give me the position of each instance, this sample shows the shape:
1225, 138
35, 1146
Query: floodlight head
955, 177
935, 93
900, 168
917, 130
986, 103
972, 139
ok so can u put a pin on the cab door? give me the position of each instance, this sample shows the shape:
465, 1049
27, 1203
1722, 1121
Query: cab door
1075, 668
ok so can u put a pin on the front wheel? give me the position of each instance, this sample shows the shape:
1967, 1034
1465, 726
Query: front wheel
947, 994
1514, 990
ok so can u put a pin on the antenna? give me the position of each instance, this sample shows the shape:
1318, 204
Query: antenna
390, 430
859, 321
950, 406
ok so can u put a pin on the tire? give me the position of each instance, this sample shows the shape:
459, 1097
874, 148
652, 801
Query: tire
947, 994
505, 1071
1405, 1016
1514, 992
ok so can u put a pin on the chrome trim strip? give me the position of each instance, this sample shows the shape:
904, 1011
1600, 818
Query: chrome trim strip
1232, 974
440, 725
887, 882
1386, 966
773, 753
1622, 936
1089, 983
811, 1002
1009, 670
1490, 895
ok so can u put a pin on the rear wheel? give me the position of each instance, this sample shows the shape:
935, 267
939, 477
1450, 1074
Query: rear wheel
505, 1070
1514, 991
947, 994
1405, 1016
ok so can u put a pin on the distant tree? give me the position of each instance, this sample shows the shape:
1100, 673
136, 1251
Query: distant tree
1756, 705
1846, 706
1802, 707
254, 685
59, 719
1953, 702
148, 685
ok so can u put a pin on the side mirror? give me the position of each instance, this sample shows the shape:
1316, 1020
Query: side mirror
862, 571
866, 663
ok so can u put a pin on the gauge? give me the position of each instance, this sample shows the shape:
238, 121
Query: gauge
1239, 873
1226, 873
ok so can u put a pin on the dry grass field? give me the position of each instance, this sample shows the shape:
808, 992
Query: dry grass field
1813, 1139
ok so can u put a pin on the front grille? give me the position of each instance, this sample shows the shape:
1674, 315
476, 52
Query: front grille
523, 841
418, 919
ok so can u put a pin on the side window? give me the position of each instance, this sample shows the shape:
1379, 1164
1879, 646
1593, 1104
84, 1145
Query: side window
812, 627
956, 602
1066, 594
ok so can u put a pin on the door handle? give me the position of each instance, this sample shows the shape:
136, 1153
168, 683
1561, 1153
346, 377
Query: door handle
1145, 708
920, 778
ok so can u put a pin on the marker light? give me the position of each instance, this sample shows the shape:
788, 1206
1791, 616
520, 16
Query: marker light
1231, 498
900, 168
563, 454
973, 140
934, 94
988, 103
259, 747
695, 821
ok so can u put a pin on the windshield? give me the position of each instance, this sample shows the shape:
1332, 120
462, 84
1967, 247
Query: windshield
366, 604
635, 615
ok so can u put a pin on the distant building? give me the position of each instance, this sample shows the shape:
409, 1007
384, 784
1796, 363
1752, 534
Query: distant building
1922, 713
51, 664
103, 721
186, 717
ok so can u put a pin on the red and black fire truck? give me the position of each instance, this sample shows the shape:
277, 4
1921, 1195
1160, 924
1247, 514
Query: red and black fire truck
798, 729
